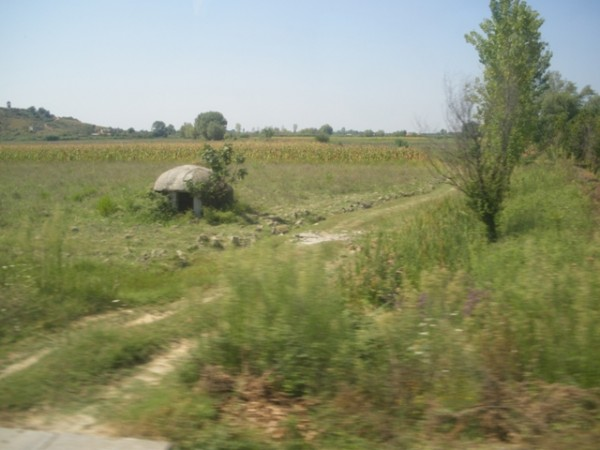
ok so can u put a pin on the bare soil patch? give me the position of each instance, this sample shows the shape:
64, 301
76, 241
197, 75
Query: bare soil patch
149, 318
312, 238
25, 363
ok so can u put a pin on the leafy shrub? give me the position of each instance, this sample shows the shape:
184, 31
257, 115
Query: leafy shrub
322, 137
442, 234
283, 319
217, 194
106, 206
160, 209
462, 319
217, 191
45, 288
171, 413
84, 194
218, 217
402, 143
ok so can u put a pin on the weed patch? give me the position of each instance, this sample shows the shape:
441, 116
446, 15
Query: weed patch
77, 368
282, 317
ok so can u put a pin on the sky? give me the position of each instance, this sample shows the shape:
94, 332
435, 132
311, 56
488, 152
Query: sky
354, 64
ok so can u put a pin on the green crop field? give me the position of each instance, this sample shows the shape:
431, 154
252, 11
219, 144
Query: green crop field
349, 301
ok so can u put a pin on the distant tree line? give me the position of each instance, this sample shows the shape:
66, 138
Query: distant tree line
40, 113
212, 126
569, 122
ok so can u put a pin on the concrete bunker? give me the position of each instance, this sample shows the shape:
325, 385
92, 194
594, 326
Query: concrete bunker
175, 184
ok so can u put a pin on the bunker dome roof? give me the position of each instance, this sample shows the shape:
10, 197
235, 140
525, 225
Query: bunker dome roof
176, 179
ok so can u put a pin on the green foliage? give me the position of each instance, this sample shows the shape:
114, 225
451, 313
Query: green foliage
487, 186
97, 356
284, 319
268, 132
239, 213
171, 413
326, 130
51, 289
497, 118
106, 206
159, 209
402, 143
159, 129
584, 143
211, 126
473, 325
217, 192
570, 122
45, 286
442, 234
427, 336
187, 131
220, 161
322, 137
515, 62
40, 125
519, 308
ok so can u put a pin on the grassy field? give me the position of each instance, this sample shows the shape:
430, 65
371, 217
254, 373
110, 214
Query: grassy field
400, 327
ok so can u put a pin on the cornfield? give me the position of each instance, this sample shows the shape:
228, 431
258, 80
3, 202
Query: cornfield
284, 150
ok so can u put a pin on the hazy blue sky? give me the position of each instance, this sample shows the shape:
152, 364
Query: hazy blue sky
376, 64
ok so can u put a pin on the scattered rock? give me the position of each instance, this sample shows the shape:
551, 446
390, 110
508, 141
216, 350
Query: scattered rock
276, 220
157, 253
302, 213
215, 242
75, 229
280, 229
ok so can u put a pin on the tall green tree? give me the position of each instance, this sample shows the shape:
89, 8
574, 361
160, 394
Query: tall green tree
326, 129
159, 129
584, 132
497, 116
560, 104
570, 122
187, 130
211, 125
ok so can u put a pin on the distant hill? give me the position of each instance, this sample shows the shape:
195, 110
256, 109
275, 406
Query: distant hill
40, 124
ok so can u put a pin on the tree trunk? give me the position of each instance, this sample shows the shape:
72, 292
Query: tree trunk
489, 219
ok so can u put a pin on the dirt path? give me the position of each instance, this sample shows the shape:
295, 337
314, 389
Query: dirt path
346, 226
364, 219
87, 420
24, 363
